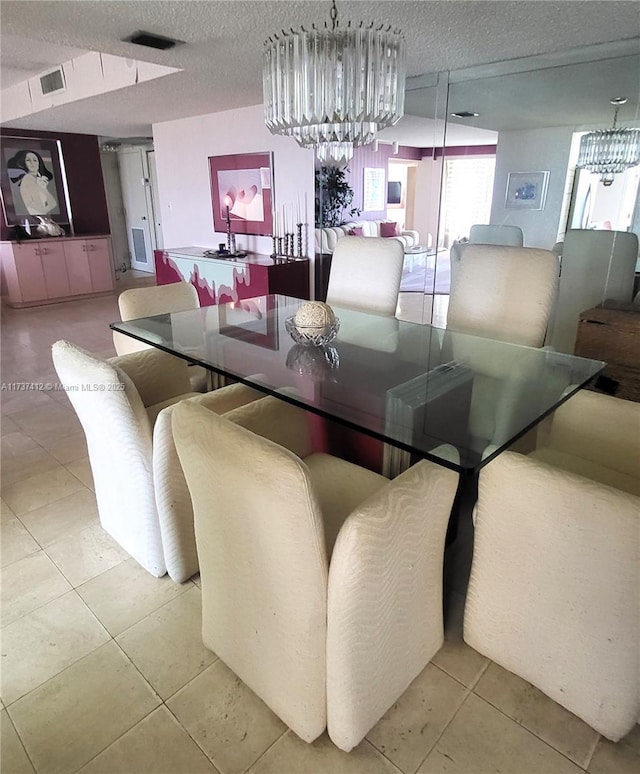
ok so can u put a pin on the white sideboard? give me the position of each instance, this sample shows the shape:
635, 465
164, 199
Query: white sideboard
47, 271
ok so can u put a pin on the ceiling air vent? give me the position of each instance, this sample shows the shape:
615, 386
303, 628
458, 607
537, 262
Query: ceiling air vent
151, 40
52, 82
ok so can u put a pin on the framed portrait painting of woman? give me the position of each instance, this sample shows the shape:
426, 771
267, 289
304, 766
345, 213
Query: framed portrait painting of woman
32, 181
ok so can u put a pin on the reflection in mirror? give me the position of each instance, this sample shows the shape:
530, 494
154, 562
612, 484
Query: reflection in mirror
540, 114
390, 189
497, 146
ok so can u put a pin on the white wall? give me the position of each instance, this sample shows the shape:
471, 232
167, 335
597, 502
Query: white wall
534, 150
182, 150
115, 208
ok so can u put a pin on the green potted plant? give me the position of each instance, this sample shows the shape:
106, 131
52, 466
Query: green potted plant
333, 196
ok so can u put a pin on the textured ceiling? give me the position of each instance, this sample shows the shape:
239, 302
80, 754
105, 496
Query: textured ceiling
221, 58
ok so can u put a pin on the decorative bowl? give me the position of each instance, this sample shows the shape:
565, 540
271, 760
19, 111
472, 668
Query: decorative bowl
317, 362
312, 335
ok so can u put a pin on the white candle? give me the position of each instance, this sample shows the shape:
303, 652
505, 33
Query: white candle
305, 207
299, 212
275, 223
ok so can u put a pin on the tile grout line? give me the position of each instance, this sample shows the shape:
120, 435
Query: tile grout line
124, 733
372, 745
468, 692
593, 751
530, 732
22, 744
286, 731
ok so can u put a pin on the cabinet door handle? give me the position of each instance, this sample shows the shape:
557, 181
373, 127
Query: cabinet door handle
84, 248
37, 251
44, 251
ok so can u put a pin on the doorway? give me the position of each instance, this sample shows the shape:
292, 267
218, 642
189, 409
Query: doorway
401, 183
137, 195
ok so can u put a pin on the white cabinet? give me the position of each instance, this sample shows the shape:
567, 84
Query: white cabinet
54, 268
77, 263
49, 270
100, 266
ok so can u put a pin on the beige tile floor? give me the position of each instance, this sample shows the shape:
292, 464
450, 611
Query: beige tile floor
103, 669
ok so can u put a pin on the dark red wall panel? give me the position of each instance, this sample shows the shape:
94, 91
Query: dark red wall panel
81, 154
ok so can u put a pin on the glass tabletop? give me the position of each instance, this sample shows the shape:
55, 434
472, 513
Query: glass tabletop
450, 397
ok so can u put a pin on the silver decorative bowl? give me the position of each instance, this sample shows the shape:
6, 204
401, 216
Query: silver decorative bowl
312, 336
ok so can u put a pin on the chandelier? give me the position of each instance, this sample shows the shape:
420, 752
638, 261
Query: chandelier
609, 152
333, 88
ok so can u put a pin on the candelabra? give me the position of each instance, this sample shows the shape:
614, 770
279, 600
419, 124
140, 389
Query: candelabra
288, 234
229, 240
299, 229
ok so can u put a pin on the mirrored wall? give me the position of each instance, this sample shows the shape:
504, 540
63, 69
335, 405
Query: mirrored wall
498, 145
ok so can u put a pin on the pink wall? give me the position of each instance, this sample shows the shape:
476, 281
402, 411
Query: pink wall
182, 151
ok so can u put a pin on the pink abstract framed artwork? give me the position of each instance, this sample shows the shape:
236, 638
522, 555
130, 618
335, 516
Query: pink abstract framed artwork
243, 183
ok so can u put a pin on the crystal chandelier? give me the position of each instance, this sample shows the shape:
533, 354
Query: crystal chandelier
333, 88
609, 152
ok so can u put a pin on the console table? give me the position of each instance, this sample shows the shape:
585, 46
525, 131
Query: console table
222, 279
47, 271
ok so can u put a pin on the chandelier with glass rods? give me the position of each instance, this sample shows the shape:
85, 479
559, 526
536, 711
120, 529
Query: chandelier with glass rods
609, 152
333, 88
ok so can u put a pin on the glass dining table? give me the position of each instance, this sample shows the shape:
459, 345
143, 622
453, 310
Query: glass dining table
415, 390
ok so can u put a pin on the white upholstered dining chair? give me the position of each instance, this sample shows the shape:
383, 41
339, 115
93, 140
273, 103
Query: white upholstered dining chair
554, 593
366, 273
147, 302
597, 266
321, 581
504, 293
489, 234
154, 300
124, 405
483, 234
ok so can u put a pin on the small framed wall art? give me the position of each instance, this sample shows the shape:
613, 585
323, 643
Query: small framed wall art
242, 193
526, 190
374, 192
